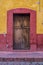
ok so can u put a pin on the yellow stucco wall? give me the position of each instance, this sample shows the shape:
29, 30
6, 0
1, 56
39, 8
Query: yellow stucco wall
6, 5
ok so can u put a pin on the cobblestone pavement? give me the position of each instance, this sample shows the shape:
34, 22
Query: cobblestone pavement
21, 63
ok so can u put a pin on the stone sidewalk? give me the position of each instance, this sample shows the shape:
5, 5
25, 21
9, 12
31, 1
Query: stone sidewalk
21, 63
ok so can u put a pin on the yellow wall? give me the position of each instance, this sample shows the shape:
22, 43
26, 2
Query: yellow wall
6, 5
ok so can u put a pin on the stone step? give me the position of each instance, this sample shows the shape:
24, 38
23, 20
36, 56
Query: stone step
21, 63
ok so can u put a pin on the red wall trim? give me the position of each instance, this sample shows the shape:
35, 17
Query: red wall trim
39, 42
32, 27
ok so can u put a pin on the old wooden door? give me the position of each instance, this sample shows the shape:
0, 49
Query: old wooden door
21, 31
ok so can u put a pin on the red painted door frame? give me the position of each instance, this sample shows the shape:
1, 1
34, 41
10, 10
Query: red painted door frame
32, 27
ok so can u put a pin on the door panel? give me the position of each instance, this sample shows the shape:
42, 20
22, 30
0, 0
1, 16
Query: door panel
21, 32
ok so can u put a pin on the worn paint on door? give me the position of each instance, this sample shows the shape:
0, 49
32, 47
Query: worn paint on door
21, 31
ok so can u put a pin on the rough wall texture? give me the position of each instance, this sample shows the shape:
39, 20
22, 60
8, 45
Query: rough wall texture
12, 4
